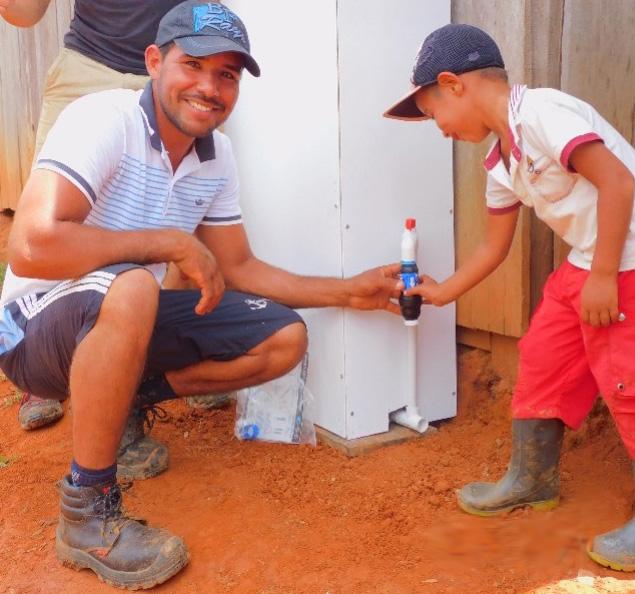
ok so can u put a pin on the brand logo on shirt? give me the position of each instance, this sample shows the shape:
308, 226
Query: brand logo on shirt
198, 202
531, 167
218, 18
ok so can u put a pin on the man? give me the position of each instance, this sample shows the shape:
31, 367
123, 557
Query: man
125, 183
103, 49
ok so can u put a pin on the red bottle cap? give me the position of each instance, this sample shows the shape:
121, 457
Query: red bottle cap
411, 223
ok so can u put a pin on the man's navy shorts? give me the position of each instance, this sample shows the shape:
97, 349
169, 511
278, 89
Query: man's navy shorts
46, 328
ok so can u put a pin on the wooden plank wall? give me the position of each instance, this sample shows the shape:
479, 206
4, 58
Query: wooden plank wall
25, 56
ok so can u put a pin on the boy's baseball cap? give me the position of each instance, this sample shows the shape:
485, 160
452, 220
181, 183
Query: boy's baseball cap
206, 28
453, 48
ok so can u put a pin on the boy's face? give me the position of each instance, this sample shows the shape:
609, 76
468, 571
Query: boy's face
451, 105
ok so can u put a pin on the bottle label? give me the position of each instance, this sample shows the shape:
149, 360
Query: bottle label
410, 279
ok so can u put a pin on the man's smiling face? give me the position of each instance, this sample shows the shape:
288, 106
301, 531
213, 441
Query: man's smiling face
198, 94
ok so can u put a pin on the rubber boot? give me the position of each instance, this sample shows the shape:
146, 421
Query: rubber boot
95, 533
532, 477
140, 456
615, 549
37, 412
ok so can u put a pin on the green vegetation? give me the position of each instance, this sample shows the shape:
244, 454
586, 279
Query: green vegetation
5, 461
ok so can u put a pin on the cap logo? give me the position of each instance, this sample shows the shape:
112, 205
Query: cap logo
219, 18
473, 56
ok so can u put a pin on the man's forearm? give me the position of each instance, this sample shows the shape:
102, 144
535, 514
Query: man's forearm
23, 13
70, 250
260, 278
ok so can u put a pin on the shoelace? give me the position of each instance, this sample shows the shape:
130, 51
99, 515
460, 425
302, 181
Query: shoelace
150, 413
108, 504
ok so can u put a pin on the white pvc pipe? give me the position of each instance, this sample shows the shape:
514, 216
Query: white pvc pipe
409, 415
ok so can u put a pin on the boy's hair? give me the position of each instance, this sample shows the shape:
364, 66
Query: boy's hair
494, 73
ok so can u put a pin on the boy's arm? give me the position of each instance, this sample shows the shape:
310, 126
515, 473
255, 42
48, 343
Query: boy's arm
49, 241
485, 259
242, 271
23, 13
615, 185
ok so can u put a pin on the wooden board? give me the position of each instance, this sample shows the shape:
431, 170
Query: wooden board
25, 56
501, 302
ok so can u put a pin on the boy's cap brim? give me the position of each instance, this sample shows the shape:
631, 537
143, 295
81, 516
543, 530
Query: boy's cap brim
406, 108
200, 46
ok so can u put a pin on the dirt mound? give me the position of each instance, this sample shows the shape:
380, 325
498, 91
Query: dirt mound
274, 519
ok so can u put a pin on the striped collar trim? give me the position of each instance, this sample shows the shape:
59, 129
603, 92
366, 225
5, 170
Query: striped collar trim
204, 146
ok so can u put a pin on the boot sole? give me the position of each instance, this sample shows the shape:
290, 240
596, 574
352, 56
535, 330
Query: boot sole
140, 580
607, 562
537, 505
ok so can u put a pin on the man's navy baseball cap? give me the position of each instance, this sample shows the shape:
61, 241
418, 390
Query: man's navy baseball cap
204, 29
453, 48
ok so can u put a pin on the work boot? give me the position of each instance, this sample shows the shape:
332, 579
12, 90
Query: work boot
532, 476
94, 532
140, 456
615, 549
210, 401
37, 412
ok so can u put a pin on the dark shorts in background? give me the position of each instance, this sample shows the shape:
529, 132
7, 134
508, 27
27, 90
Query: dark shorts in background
54, 323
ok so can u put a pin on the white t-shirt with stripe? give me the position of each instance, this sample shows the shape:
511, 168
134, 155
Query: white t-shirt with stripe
107, 144
545, 127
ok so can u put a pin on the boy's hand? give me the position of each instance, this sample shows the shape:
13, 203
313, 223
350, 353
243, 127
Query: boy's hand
430, 290
598, 305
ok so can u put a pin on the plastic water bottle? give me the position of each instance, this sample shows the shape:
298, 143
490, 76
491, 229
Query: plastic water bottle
410, 305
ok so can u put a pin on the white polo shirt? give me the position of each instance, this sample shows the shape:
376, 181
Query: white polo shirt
107, 144
545, 126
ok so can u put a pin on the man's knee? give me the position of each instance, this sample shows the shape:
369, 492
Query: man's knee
286, 348
132, 298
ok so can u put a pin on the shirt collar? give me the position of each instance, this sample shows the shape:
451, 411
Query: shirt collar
494, 154
204, 146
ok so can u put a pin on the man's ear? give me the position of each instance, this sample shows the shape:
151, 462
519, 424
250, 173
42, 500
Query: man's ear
154, 59
450, 82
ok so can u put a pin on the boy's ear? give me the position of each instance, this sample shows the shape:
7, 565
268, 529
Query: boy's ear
450, 81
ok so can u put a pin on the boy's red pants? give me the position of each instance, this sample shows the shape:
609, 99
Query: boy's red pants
565, 363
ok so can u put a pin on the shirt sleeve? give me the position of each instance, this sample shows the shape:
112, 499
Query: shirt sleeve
225, 208
85, 145
558, 127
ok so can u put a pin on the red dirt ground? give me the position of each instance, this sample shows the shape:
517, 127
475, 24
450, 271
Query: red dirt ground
276, 519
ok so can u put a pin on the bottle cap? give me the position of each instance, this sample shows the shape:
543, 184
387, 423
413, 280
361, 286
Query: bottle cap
411, 223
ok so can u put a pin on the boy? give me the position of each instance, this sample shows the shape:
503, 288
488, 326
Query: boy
556, 154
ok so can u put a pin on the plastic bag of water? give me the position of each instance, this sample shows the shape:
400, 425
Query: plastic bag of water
277, 410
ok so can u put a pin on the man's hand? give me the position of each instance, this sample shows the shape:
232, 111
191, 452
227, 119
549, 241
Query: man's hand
431, 291
199, 265
598, 305
375, 288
